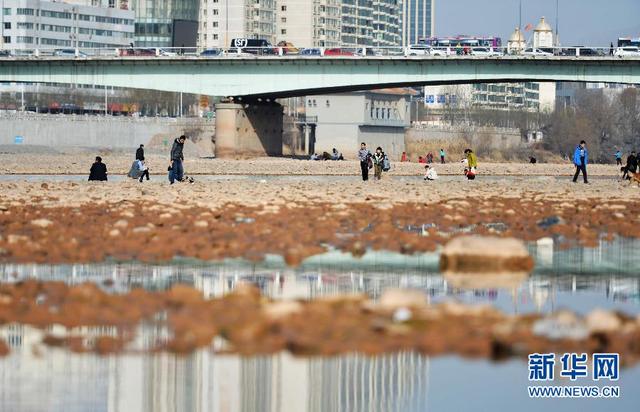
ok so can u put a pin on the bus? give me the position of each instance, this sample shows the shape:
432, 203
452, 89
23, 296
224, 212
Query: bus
463, 41
629, 42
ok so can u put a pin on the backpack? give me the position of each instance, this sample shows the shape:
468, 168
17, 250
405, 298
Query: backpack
386, 164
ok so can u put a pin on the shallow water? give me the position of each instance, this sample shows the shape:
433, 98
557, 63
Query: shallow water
34, 378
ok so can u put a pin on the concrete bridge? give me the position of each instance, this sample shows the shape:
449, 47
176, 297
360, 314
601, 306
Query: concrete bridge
282, 76
252, 124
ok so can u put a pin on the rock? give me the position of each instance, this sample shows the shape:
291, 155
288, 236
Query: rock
13, 239
282, 309
602, 321
482, 254
561, 325
393, 299
114, 233
402, 315
141, 229
44, 223
121, 224
201, 223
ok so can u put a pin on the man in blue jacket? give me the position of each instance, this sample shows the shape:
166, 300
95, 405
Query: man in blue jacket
581, 159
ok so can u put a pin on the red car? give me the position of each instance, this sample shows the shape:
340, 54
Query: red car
137, 52
338, 52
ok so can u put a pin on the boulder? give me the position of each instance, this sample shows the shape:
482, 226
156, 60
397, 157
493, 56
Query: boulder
485, 254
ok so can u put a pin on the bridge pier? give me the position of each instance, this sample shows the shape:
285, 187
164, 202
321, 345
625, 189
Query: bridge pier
248, 130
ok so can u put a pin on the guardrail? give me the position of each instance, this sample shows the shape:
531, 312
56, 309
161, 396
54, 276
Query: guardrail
415, 51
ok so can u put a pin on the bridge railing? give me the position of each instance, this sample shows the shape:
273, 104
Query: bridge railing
419, 51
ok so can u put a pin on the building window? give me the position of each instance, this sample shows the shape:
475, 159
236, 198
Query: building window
25, 12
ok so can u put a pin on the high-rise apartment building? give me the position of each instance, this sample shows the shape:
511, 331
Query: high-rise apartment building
312, 23
220, 21
39, 24
418, 19
304, 23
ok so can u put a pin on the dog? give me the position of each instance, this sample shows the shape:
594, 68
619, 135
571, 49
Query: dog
634, 178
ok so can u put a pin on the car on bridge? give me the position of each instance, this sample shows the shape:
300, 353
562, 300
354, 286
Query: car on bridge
69, 53
532, 51
423, 50
311, 52
627, 52
137, 52
253, 46
581, 51
288, 48
484, 52
211, 53
339, 52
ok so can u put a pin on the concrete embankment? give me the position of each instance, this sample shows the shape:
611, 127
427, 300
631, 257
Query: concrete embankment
59, 131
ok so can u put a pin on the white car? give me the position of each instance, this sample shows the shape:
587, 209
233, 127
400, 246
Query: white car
627, 52
423, 50
485, 52
531, 51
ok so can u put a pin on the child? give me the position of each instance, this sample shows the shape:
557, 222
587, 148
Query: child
144, 170
430, 173
378, 160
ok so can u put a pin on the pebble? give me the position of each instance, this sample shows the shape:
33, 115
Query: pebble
201, 223
44, 223
121, 223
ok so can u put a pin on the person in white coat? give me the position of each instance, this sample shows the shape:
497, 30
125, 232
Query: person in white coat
430, 173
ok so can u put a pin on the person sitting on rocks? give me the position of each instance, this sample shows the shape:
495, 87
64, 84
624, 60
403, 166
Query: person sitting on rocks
314, 157
98, 171
431, 173
336, 155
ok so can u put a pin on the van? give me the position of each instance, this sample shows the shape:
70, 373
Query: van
253, 46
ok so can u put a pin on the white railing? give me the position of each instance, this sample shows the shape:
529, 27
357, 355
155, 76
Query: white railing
373, 52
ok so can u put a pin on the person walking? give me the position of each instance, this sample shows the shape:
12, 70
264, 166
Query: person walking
140, 153
442, 155
98, 171
364, 155
378, 163
581, 159
619, 158
631, 166
177, 157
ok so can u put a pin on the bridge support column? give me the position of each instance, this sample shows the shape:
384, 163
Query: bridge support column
248, 130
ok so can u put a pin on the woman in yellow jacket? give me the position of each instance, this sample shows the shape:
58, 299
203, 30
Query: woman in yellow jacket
472, 164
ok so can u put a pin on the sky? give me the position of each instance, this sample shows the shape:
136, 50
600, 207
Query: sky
582, 22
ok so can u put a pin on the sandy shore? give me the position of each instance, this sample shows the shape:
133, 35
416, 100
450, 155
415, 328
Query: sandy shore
118, 163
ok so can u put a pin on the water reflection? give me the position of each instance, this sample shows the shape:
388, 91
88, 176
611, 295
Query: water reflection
44, 379
541, 292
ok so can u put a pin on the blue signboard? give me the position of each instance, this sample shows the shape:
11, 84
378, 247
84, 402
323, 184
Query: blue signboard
18, 140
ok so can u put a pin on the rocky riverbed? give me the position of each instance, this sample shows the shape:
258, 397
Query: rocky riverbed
91, 222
